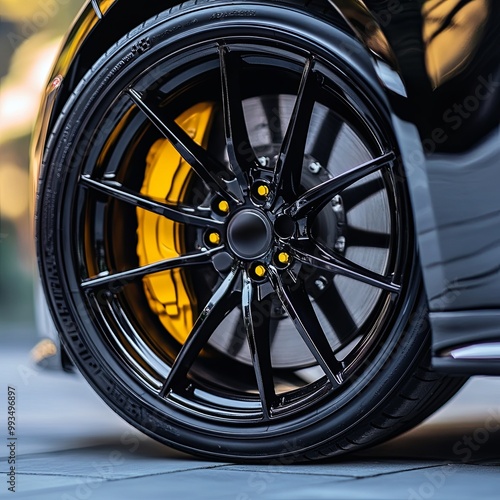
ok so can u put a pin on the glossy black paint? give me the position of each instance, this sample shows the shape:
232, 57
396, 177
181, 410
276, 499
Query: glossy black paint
440, 65
450, 137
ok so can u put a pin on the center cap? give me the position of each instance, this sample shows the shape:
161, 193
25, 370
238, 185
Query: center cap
249, 234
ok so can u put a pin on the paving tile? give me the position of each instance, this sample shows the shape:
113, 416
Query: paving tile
467, 442
116, 461
452, 482
34, 484
348, 467
72, 446
212, 484
55, 411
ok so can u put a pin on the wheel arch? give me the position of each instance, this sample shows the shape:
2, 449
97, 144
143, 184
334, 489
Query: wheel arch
101, 23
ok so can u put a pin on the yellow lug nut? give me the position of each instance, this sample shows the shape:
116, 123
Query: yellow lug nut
214, 238
263, 191
283, 258
260, 271
224, 206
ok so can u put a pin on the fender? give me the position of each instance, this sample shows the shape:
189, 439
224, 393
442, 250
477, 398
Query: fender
101, 23
448, 57
448, 130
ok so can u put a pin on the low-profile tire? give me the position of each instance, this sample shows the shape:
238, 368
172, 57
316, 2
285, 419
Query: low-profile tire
249, 288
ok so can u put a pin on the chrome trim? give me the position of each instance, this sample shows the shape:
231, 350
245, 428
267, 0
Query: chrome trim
479, 351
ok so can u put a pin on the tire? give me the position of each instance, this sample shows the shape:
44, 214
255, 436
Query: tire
248, 289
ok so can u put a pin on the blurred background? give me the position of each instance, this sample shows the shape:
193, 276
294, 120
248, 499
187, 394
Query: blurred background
30, 33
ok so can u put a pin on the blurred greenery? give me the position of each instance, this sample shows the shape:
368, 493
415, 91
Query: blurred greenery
30, 34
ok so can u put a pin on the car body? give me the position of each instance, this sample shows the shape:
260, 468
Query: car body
436, 66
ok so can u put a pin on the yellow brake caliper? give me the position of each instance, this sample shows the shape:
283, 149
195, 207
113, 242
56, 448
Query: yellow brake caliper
167, 177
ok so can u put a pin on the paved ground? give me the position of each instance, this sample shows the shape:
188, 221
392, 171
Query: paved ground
71, 446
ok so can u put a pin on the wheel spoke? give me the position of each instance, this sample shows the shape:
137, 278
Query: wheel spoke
317, 197
289, 164
122, 278
240, 151
220, 305
239, 336
208, 168
177, 213
354, 195
323, 259
258, 328
298, 305
356, 237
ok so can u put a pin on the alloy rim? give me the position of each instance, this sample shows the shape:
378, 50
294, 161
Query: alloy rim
266, 236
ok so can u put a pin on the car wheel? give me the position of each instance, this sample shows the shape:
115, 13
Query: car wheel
226, 241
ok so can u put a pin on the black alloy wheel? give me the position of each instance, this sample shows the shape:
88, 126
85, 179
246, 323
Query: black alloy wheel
253, 155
